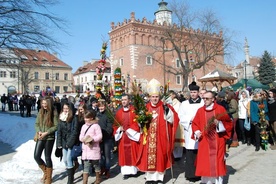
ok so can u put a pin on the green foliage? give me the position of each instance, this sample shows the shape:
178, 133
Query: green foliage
143, 116
267, 69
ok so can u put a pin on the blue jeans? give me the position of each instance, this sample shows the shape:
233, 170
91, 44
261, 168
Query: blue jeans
106, 147
67, 158
3, 106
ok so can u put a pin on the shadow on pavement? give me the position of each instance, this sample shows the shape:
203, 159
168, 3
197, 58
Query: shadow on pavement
230, 171
5, 149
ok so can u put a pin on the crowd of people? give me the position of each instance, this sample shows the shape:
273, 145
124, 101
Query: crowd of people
25, 103
202, 124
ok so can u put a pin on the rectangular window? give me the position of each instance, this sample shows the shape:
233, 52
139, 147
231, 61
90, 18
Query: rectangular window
47, 76
3, 74
85, 79
178, 65
149, 60
65, 89
178, 79
57, 89
95, 77
36, 75
57, 76
36, 88
12, 74
66, 76
121, 62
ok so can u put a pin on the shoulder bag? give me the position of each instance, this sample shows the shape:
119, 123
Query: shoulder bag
77, 149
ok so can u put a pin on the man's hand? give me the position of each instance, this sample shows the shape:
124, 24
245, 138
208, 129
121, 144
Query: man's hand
198, 135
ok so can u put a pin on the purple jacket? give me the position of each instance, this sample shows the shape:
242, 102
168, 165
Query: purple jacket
91, 151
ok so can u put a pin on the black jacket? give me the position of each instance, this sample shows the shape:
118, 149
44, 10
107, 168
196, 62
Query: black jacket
106, 125
271, 104
65, 134
76, 130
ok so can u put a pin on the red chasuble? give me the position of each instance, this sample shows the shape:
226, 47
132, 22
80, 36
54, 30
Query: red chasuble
156, 154
127, 148
210, 160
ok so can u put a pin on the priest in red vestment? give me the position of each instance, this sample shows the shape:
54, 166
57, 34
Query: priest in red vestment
156, 146
127, 133
211, 126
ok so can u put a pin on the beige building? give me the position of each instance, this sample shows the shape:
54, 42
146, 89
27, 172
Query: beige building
85, 78
31, 71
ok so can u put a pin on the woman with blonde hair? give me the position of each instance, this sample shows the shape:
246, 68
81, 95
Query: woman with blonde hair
45, 127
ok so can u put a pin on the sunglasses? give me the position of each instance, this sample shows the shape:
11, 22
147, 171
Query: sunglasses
206, 98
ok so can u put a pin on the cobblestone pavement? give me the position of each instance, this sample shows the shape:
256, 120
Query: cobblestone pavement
244, 166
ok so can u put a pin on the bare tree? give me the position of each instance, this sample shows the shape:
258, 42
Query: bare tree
196, 39
29, 25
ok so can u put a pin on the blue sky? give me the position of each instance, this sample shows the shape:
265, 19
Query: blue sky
89, 23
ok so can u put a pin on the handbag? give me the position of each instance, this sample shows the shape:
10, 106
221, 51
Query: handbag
247, 124
77, 149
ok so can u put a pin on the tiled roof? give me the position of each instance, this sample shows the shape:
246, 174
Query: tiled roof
90, 67
39, 58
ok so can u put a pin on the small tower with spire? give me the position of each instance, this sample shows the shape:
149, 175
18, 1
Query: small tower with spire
246, 51
163, 14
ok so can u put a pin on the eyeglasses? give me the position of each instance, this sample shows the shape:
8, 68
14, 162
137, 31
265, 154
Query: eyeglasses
206, 98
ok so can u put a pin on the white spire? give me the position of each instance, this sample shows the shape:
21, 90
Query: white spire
246, 51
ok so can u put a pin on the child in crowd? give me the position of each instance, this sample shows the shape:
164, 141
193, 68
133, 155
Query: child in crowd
90, 136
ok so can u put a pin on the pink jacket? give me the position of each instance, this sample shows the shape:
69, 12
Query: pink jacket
91, 151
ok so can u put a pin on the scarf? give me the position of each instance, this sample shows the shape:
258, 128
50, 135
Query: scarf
63, 116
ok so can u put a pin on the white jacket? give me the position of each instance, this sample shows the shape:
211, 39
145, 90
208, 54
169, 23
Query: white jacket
243, 108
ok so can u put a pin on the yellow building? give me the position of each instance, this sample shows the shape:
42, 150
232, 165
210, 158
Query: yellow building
31, 71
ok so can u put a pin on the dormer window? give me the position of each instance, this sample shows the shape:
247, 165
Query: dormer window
23, 57
44, 59
35, 58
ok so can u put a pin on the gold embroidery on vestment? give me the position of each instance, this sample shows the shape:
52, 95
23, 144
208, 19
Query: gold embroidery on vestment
152, 145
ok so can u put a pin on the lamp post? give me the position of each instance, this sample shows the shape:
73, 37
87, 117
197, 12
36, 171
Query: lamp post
245, 76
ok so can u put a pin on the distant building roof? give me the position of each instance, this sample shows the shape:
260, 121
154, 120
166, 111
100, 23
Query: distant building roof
90, 67
39, 58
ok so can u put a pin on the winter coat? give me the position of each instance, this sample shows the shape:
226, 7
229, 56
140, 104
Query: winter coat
272, 109
106, 125
243, 108
77, 125
41, 126
92, 150
254, 110
233, 108
65, 132
4, 99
